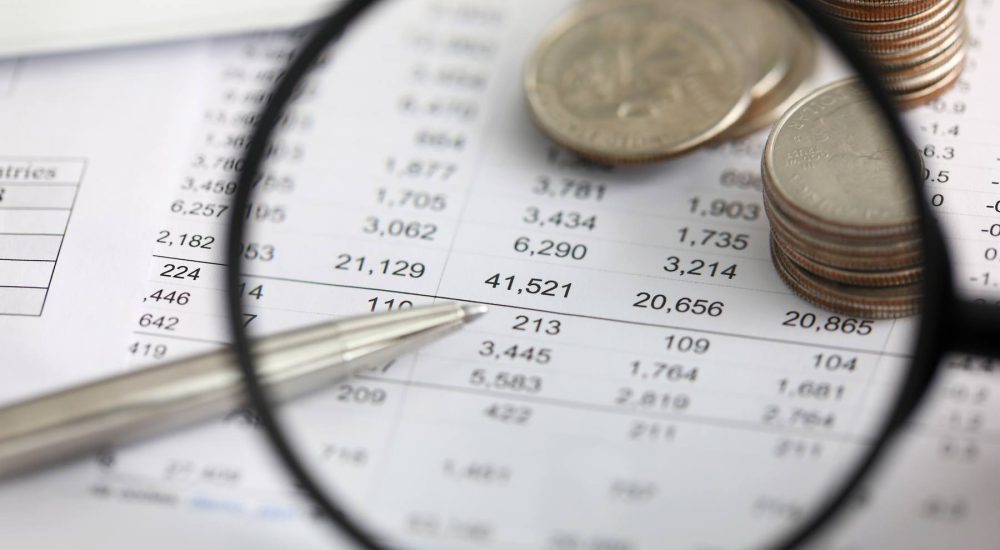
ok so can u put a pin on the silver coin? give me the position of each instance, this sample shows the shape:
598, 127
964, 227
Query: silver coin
832, 165
862, 255
763, 30
793, 85
856, 301
632, 81
845, 274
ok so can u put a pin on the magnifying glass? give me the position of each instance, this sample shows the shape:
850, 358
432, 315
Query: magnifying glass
641, 451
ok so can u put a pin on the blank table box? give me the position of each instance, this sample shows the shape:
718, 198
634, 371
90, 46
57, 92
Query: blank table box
23, 273
29, 195
51, 222
29, 247
21, 301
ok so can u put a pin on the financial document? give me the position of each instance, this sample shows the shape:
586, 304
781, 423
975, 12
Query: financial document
543, 425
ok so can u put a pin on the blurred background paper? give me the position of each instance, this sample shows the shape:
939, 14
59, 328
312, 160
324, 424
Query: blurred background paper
30, 27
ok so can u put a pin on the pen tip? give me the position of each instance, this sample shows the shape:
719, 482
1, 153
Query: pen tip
474, 311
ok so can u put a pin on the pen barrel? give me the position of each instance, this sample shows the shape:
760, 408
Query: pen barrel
146, 402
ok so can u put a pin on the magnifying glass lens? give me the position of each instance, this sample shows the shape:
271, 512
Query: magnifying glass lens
697, 234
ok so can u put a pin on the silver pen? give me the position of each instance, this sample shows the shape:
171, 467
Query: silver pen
54, 427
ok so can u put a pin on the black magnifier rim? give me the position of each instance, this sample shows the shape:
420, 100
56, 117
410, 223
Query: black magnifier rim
938, 304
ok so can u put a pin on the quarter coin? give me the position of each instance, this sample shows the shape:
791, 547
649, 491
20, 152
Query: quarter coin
833, 166
626, 81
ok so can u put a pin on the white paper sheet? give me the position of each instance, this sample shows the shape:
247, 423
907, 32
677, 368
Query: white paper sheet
423, 114
55, 26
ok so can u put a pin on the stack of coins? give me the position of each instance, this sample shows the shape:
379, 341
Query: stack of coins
843, 218
919, 44
629, 81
